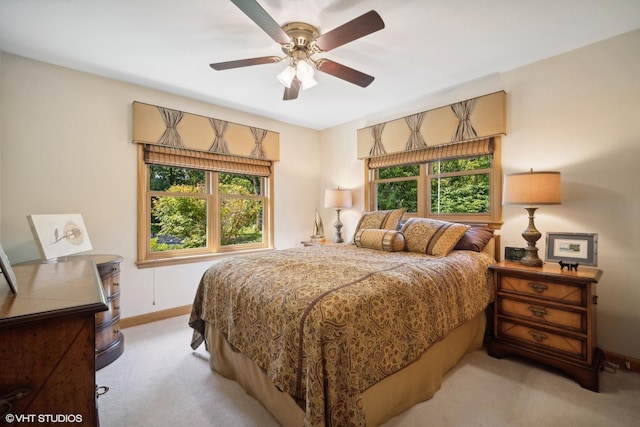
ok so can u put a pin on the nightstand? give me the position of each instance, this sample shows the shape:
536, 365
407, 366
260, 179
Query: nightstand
548, 315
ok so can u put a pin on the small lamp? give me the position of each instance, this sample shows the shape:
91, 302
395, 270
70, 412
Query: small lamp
337, 199
532, 188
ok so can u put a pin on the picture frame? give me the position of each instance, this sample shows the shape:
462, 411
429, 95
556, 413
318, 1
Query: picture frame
581, 248
59, 235
7, 271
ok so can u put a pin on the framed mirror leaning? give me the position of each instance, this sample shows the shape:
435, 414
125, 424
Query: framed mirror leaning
7, 271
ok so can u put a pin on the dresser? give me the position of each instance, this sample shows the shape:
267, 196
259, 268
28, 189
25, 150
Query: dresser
47, 343
109, 338
548, 315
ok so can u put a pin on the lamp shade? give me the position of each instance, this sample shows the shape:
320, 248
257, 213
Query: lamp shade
304, 72
532, 188
287, 75
337, 198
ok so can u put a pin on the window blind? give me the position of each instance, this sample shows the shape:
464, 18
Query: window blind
479, 147
194, 159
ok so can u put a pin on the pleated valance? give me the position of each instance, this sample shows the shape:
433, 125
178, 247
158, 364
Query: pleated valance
154, 125
436, 132
193, 159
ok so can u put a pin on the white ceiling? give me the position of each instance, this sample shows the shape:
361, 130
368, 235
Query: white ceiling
427, 46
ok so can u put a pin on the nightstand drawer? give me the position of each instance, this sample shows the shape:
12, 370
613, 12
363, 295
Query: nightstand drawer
544, 314
573, 347
560, 292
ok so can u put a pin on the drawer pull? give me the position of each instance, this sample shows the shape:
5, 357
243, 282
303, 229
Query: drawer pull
538, 336
538, 311
538, 287
116, 284
100, 390
5, 401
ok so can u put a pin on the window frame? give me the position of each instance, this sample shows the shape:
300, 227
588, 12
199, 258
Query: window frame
492, 219
214, 248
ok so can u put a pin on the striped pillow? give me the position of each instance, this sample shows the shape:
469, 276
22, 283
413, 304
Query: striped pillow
387, 220
382, 240
431, 236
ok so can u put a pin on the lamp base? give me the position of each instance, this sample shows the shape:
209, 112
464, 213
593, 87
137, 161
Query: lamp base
337, 238
531, 258
531, 235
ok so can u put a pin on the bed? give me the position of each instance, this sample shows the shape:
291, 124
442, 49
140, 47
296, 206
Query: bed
349, 334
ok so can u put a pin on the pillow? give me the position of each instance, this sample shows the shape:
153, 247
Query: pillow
382, 240
387, 220
474, 239
431, 236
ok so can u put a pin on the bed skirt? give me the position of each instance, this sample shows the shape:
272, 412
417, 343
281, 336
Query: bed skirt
393, 395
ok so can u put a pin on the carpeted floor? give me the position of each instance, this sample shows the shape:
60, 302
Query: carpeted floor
160, 381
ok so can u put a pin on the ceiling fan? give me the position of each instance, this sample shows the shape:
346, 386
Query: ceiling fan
299, 42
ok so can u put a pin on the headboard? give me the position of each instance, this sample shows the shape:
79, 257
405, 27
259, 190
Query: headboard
493, 247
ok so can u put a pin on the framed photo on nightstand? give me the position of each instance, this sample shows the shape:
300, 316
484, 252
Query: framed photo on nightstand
581, 248
8, 272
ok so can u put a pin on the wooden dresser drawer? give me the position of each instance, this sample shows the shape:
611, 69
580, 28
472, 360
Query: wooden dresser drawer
107, 334
560, 292
543, 339
105, 317
545, 314
111, 285
109, 268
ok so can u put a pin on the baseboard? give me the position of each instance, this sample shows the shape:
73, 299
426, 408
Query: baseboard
141, 319
623, 363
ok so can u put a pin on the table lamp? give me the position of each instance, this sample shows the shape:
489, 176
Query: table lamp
532, 188
337, 199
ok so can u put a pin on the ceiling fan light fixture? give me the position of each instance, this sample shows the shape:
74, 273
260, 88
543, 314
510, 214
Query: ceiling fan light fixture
299, 41
308, 83
304, 72
287, 75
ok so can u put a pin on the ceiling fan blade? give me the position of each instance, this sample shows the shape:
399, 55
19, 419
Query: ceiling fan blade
292, 92
365, 24
343, 72
258, 15
245, 62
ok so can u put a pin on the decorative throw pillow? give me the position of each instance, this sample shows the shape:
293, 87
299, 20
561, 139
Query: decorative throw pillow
387, 220
431, 236
474, 239
382, 240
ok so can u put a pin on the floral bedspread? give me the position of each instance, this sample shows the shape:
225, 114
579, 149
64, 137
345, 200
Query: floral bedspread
327, 322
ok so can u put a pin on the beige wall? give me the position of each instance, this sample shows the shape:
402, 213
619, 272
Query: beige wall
66, 147
577, 113
65, 140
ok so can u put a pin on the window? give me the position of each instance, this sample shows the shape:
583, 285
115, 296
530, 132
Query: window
396, 187
195, 205
460, 186
455, 184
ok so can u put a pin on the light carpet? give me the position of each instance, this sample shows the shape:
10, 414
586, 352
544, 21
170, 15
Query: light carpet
160, 381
